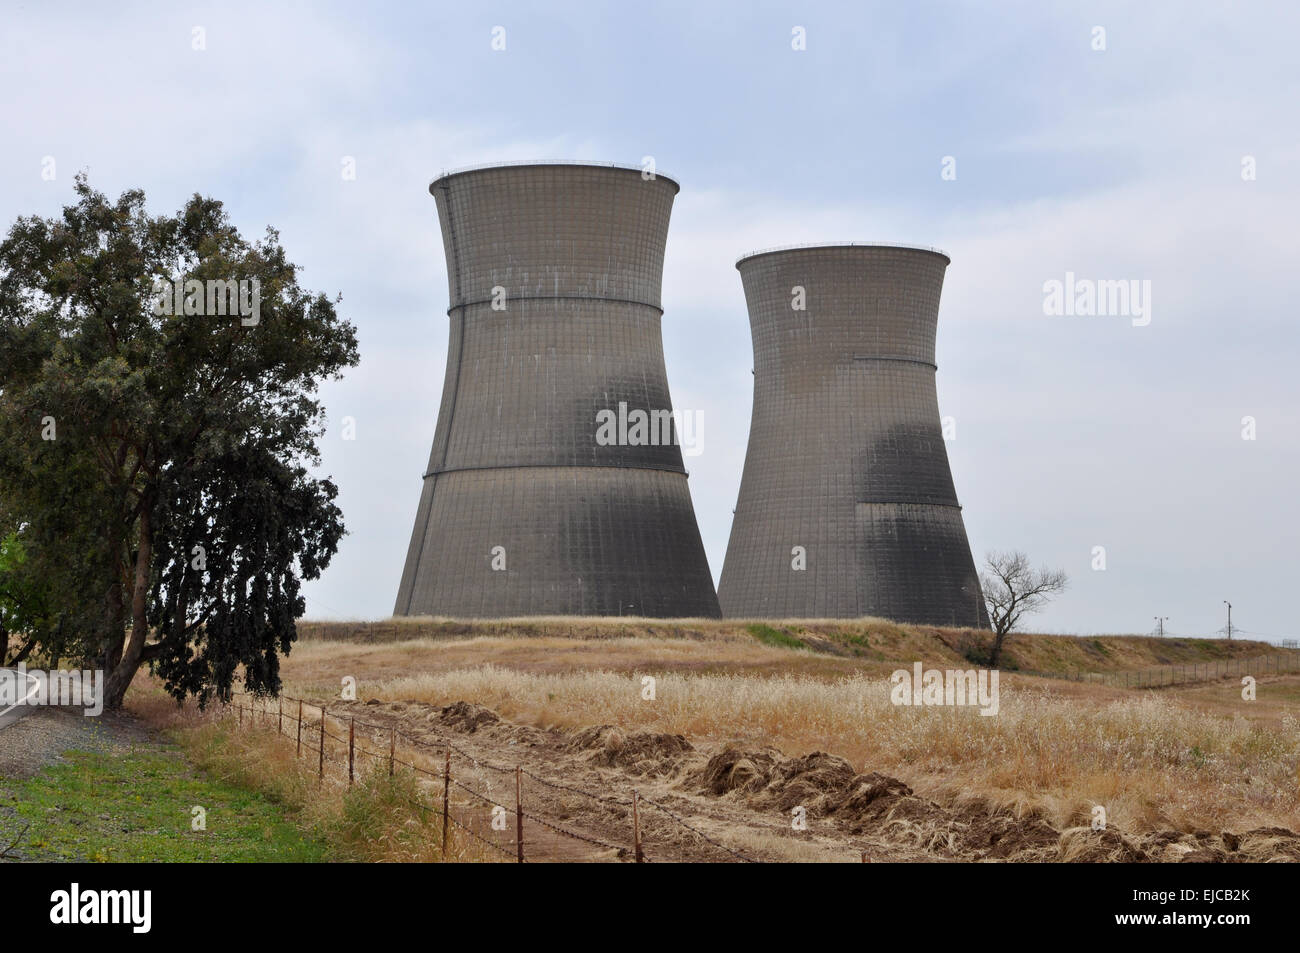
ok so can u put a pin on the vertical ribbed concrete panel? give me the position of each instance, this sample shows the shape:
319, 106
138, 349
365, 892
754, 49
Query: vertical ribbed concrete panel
846, 457
571, 256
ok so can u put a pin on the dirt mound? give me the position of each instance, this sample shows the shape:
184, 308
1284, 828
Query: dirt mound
428, 723
465, 716
640, 753
1200, 847
992, 833
820, 782
1266, 844
816, 782
734, 769
872, 796
1083, 845
874, 804
975, 830
1263, 845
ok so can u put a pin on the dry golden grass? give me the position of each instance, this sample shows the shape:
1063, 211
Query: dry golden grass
864, 638
1153, 760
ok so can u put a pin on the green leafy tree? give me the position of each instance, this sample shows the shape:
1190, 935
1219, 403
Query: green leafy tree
160, 461
22, 607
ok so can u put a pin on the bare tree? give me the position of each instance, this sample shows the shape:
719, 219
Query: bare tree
1013, 587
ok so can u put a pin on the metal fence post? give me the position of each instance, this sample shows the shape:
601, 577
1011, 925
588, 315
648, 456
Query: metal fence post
298, 754
321, 770
636, 829
519, 815
352, 735
446, 797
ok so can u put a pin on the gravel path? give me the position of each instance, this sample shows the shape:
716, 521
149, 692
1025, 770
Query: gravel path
41, 737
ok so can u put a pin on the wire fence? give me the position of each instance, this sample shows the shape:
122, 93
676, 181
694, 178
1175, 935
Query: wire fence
484, 816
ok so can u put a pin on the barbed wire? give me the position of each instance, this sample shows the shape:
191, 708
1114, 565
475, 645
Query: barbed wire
472, 833
433, 809
602, 799
477, 762
482, 797
645, 800
573, 834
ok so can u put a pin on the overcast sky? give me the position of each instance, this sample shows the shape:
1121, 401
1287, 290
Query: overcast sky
1072, 432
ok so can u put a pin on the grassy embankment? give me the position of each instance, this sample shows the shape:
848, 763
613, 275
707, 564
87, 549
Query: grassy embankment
864, 640
1199, 757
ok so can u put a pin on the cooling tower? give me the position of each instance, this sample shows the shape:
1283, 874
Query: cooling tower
847, 506
533, 502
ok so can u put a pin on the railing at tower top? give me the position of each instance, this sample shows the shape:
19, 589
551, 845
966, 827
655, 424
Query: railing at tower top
799, 246
656, 173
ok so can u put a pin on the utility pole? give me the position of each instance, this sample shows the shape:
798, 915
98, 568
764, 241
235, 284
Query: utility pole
1160, 625
1229, 605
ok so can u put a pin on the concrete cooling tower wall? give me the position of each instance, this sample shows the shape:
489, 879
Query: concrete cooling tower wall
532, 502
846, 505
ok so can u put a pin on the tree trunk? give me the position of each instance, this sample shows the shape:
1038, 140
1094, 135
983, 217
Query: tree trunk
23, 652
996, 652
116, 634
133, 653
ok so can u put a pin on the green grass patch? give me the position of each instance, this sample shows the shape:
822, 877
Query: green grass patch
777, 637
859, 645
137, 806
380, 818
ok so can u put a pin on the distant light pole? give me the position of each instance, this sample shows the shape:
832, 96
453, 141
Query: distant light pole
1229, 605
1160, 625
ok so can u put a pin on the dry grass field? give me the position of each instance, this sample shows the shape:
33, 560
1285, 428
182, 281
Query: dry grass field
1180, 772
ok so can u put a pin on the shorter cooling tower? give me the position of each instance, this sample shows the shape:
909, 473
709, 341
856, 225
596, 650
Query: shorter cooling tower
528, 507
847, 506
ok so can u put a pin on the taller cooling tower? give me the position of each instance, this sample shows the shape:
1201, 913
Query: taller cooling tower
528, 506
847, 506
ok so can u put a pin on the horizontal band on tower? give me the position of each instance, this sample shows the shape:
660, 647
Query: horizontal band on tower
644, 304
559, 466
900, 360
897, 502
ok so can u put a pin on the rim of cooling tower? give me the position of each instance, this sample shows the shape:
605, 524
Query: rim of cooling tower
810, 246
542, 163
